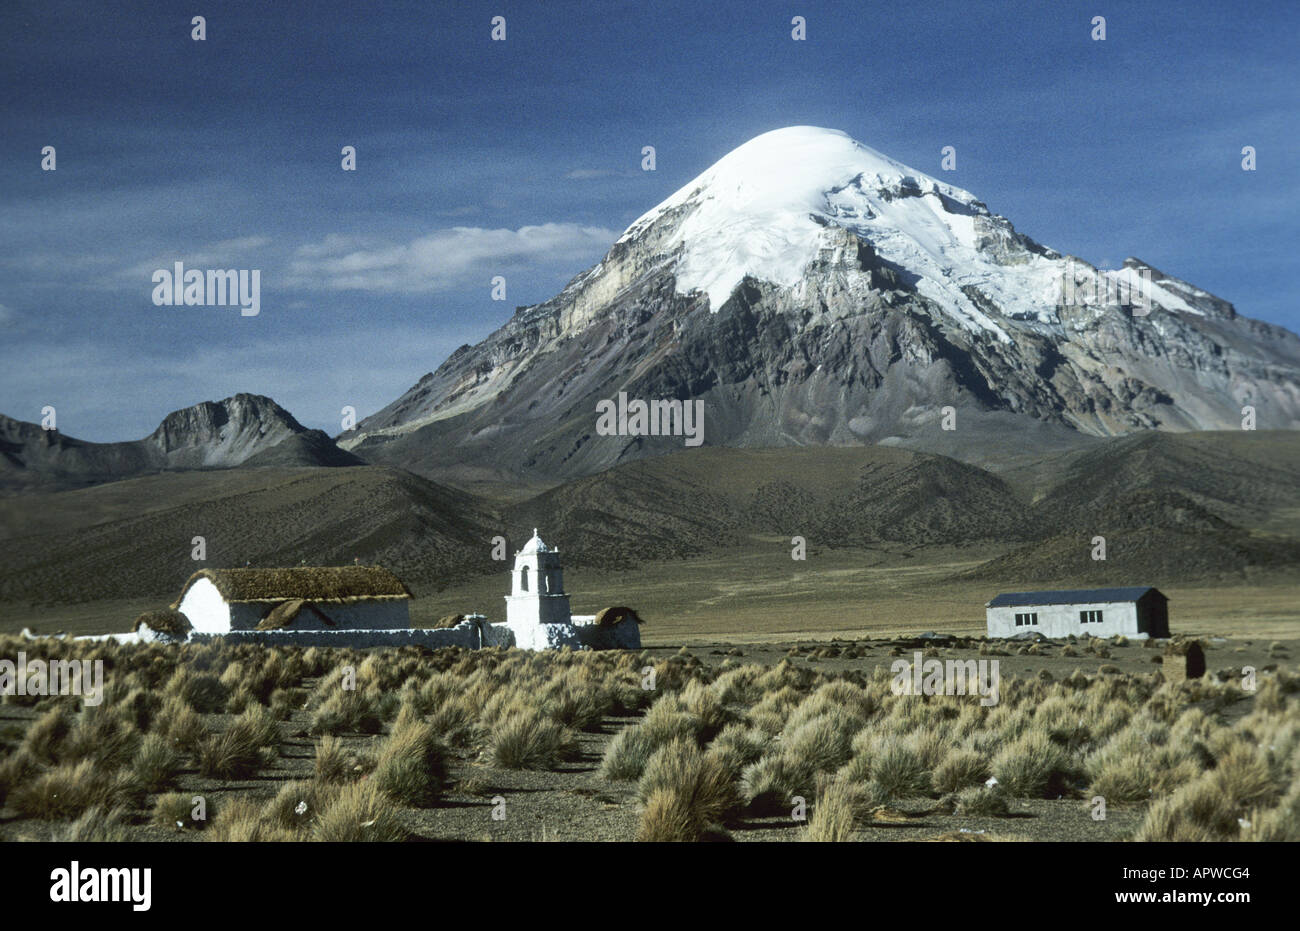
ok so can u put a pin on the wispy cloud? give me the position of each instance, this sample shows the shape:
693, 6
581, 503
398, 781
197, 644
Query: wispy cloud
591, 174
456, 257
223, 254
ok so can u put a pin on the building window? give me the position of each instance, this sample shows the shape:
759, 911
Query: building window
1089, 617
523, 579
1027, 620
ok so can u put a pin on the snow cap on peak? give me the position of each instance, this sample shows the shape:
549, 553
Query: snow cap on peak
764, 208
797, 166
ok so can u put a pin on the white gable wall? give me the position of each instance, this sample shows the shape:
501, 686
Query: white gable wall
205, 608
1056, 621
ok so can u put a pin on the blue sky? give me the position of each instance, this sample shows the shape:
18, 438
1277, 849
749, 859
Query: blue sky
522, 158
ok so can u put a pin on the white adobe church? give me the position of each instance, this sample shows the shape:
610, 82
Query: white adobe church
218, 601
363, 606
537, 608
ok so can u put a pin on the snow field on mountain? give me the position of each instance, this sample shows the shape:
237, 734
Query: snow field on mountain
764, 210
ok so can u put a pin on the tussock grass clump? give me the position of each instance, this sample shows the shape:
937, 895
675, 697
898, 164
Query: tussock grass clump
686, 794
1121, 779
898, 768
156, 763
176, 810
182, 725
101, 737
16, 769
297, 804
738, 746
63, 792
667, 721
204, 692
670, 719
1034, 767
358, 812
228, 755
770, 785
453, 722
241, 699
627, 754
242, 749
667, 819
45, 735
983, 802
241, 821
1277, 825
1242, 778
1270, 696
822, 743
96, 825
958, 770
139, 708
774, 709
334, 764
412, 765
837, 812
262, 728
701, 779
1193, 813
348, 711
703, 703
284, 702
576, 698
738, 685
529, 740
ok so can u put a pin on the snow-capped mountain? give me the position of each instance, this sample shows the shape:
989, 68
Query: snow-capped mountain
771, 207
811, 290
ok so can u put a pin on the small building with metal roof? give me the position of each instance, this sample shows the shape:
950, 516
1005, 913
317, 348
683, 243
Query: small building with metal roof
1136, 611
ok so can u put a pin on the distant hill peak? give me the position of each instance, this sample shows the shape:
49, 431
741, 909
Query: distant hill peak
243, 428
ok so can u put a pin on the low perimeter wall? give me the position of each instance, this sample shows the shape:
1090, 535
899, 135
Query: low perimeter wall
443, 637
470, 635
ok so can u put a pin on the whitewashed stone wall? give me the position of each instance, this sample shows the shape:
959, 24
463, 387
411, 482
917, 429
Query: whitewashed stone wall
545, 636
470, 634
465, 635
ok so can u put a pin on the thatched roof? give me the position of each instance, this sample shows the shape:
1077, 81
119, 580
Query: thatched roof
447, 620
324, 584
611, 616
164, 621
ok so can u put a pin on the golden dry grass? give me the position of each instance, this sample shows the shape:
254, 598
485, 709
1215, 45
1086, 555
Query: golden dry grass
715, 747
